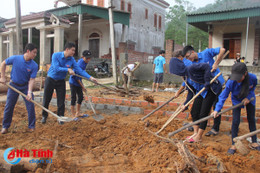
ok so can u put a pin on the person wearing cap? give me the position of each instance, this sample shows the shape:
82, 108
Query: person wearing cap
199, 75
238, 58
76, 85
241, 85
23, 74
207, 56
62, 63
159, 67
127, 72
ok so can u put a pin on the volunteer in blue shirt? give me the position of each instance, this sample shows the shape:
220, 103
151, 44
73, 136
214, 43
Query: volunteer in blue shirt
207, 56
200, 76
76, 85
242, 87
159, 67
23, 74
62, 63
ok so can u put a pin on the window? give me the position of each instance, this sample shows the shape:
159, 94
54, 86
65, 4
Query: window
160, 22
146, 13
129, 9
100, 3
122, 5
232, 42
90, 2
155, 20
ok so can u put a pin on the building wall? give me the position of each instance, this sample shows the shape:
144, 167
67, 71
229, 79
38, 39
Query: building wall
141, 31
217, 40
95, 26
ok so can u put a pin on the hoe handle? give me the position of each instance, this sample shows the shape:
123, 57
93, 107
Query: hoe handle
206, 118
161, 106
178, 112
246, 135
97, 83
34, 102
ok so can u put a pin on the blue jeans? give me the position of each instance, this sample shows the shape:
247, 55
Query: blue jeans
12, 98
250, 110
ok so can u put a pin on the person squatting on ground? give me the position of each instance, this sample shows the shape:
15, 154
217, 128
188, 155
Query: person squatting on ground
200, 76
76, 85
127, 73
242, 87
62, 63
159, 67
23, 75
207, 56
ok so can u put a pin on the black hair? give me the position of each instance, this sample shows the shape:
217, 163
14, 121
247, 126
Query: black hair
245, 87
30, 47
187, 49
69, 45
161, 52
86, 54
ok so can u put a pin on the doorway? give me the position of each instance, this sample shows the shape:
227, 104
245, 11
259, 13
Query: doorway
94, 40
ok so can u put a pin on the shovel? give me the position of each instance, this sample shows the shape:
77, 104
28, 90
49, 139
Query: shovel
63, 119
96, 116
206, 118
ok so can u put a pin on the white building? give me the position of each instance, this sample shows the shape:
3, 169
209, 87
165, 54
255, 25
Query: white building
138, 23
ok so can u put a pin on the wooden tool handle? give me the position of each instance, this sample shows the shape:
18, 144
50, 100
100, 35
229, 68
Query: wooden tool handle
97, 83
246, 135
193, 98
160, 106
19, 92
206, 118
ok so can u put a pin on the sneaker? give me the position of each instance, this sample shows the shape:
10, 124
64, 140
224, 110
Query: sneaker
4, 131
43, 121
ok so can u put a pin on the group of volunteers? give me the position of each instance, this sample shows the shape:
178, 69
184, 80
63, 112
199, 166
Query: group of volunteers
23, 74
196, 69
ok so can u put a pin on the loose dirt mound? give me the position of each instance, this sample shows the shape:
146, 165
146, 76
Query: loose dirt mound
121, 144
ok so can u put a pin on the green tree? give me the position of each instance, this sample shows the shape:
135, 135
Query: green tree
176, 26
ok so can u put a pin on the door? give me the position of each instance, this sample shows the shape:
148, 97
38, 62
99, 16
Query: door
94, 47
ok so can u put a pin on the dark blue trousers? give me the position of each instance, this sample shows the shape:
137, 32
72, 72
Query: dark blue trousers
250, 110
12, 98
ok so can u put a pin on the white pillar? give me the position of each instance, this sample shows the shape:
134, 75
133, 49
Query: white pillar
29, 35
187, 31
112, 41
247, 28
58, 39
1, 49
12, 44
19, 32
80, 35
45, 48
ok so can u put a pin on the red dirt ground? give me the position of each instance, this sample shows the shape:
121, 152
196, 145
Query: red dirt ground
121, 144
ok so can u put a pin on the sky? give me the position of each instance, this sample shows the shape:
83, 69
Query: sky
7, 9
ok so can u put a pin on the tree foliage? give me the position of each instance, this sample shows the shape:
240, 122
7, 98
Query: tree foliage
176, 26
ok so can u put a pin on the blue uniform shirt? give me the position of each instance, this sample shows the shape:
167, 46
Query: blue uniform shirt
60, 64
197, 86
207, 56
159, 61
22, 70
234, 87
74, 79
